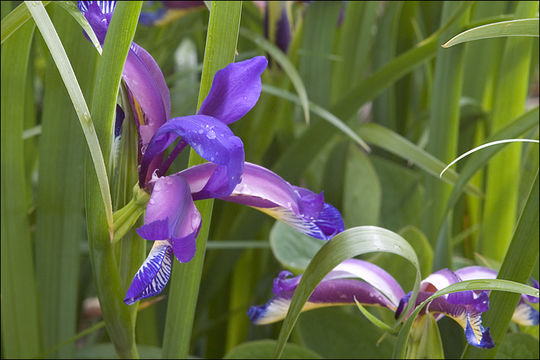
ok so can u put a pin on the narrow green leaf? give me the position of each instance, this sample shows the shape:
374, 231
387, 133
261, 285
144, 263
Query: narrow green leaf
20, 317
73, 10
521, 27
60, 201
118, 316
485, 284
221, 41
518, 263
373, 319
285, 64
59, 55
500, 206
15, 19
351, 242
323, 113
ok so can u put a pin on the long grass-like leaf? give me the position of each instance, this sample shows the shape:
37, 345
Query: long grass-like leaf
285, 64
60, 201
351, 242
220, 48
15, 19
118, 316
521, 27
500, 207
518, 263
59, 55
20, 324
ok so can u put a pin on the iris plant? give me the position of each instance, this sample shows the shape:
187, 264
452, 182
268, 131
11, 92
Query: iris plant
172, 221
371, 285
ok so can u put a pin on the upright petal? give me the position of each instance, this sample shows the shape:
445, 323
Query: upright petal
235, 90
266, 191
171, 215
340, 287
153, 275
212, 140
98, 14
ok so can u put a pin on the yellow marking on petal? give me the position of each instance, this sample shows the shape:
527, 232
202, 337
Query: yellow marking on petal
138, 110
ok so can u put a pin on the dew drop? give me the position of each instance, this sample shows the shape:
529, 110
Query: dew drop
211, 134
152, 202
200, 131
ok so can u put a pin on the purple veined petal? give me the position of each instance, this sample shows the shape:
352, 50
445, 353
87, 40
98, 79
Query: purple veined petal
266, 191
336, 292
98, 14
172, 216
466, 316
525, 315
235, 90
212, 140
153, 274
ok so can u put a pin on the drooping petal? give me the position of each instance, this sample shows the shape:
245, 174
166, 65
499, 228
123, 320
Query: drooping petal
153, 275
98, 14
235, 90
525, 314
467, 316
266, 191
212, 140
340, 287
172, 216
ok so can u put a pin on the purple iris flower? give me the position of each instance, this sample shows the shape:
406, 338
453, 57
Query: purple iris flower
171, 218
371, 285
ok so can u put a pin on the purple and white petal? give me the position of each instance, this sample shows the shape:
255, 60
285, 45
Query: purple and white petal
335, 292
212, 140
266, 191
339, 287
525, 315
171, 215
235, 90
153, 275
98, 14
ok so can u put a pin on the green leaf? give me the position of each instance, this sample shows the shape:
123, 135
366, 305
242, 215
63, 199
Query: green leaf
220, 48
518, 346
362, 191
351, 242
15, 19
21, 335
521, 27
291, 248
59, 55
264, 349
73, 10
484, 284
285, 64
342, 333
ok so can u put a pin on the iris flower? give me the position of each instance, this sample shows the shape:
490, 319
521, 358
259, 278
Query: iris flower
371, 285
171, 218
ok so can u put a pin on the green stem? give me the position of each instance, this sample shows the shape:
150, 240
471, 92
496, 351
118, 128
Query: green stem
220, 49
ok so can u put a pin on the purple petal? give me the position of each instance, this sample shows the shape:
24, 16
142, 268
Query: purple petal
340, 287
439, 280
476, 335
153, 275
171, 215
283, 31
98, 14
265, 191
147, 85
235, 90
212, 140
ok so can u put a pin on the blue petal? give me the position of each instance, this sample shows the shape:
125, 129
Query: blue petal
153, 275
212, 140
98, 14
235, 90
476, 334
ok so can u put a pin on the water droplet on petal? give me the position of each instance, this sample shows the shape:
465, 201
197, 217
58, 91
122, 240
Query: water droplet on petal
200, 131
152, 202
211, 134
